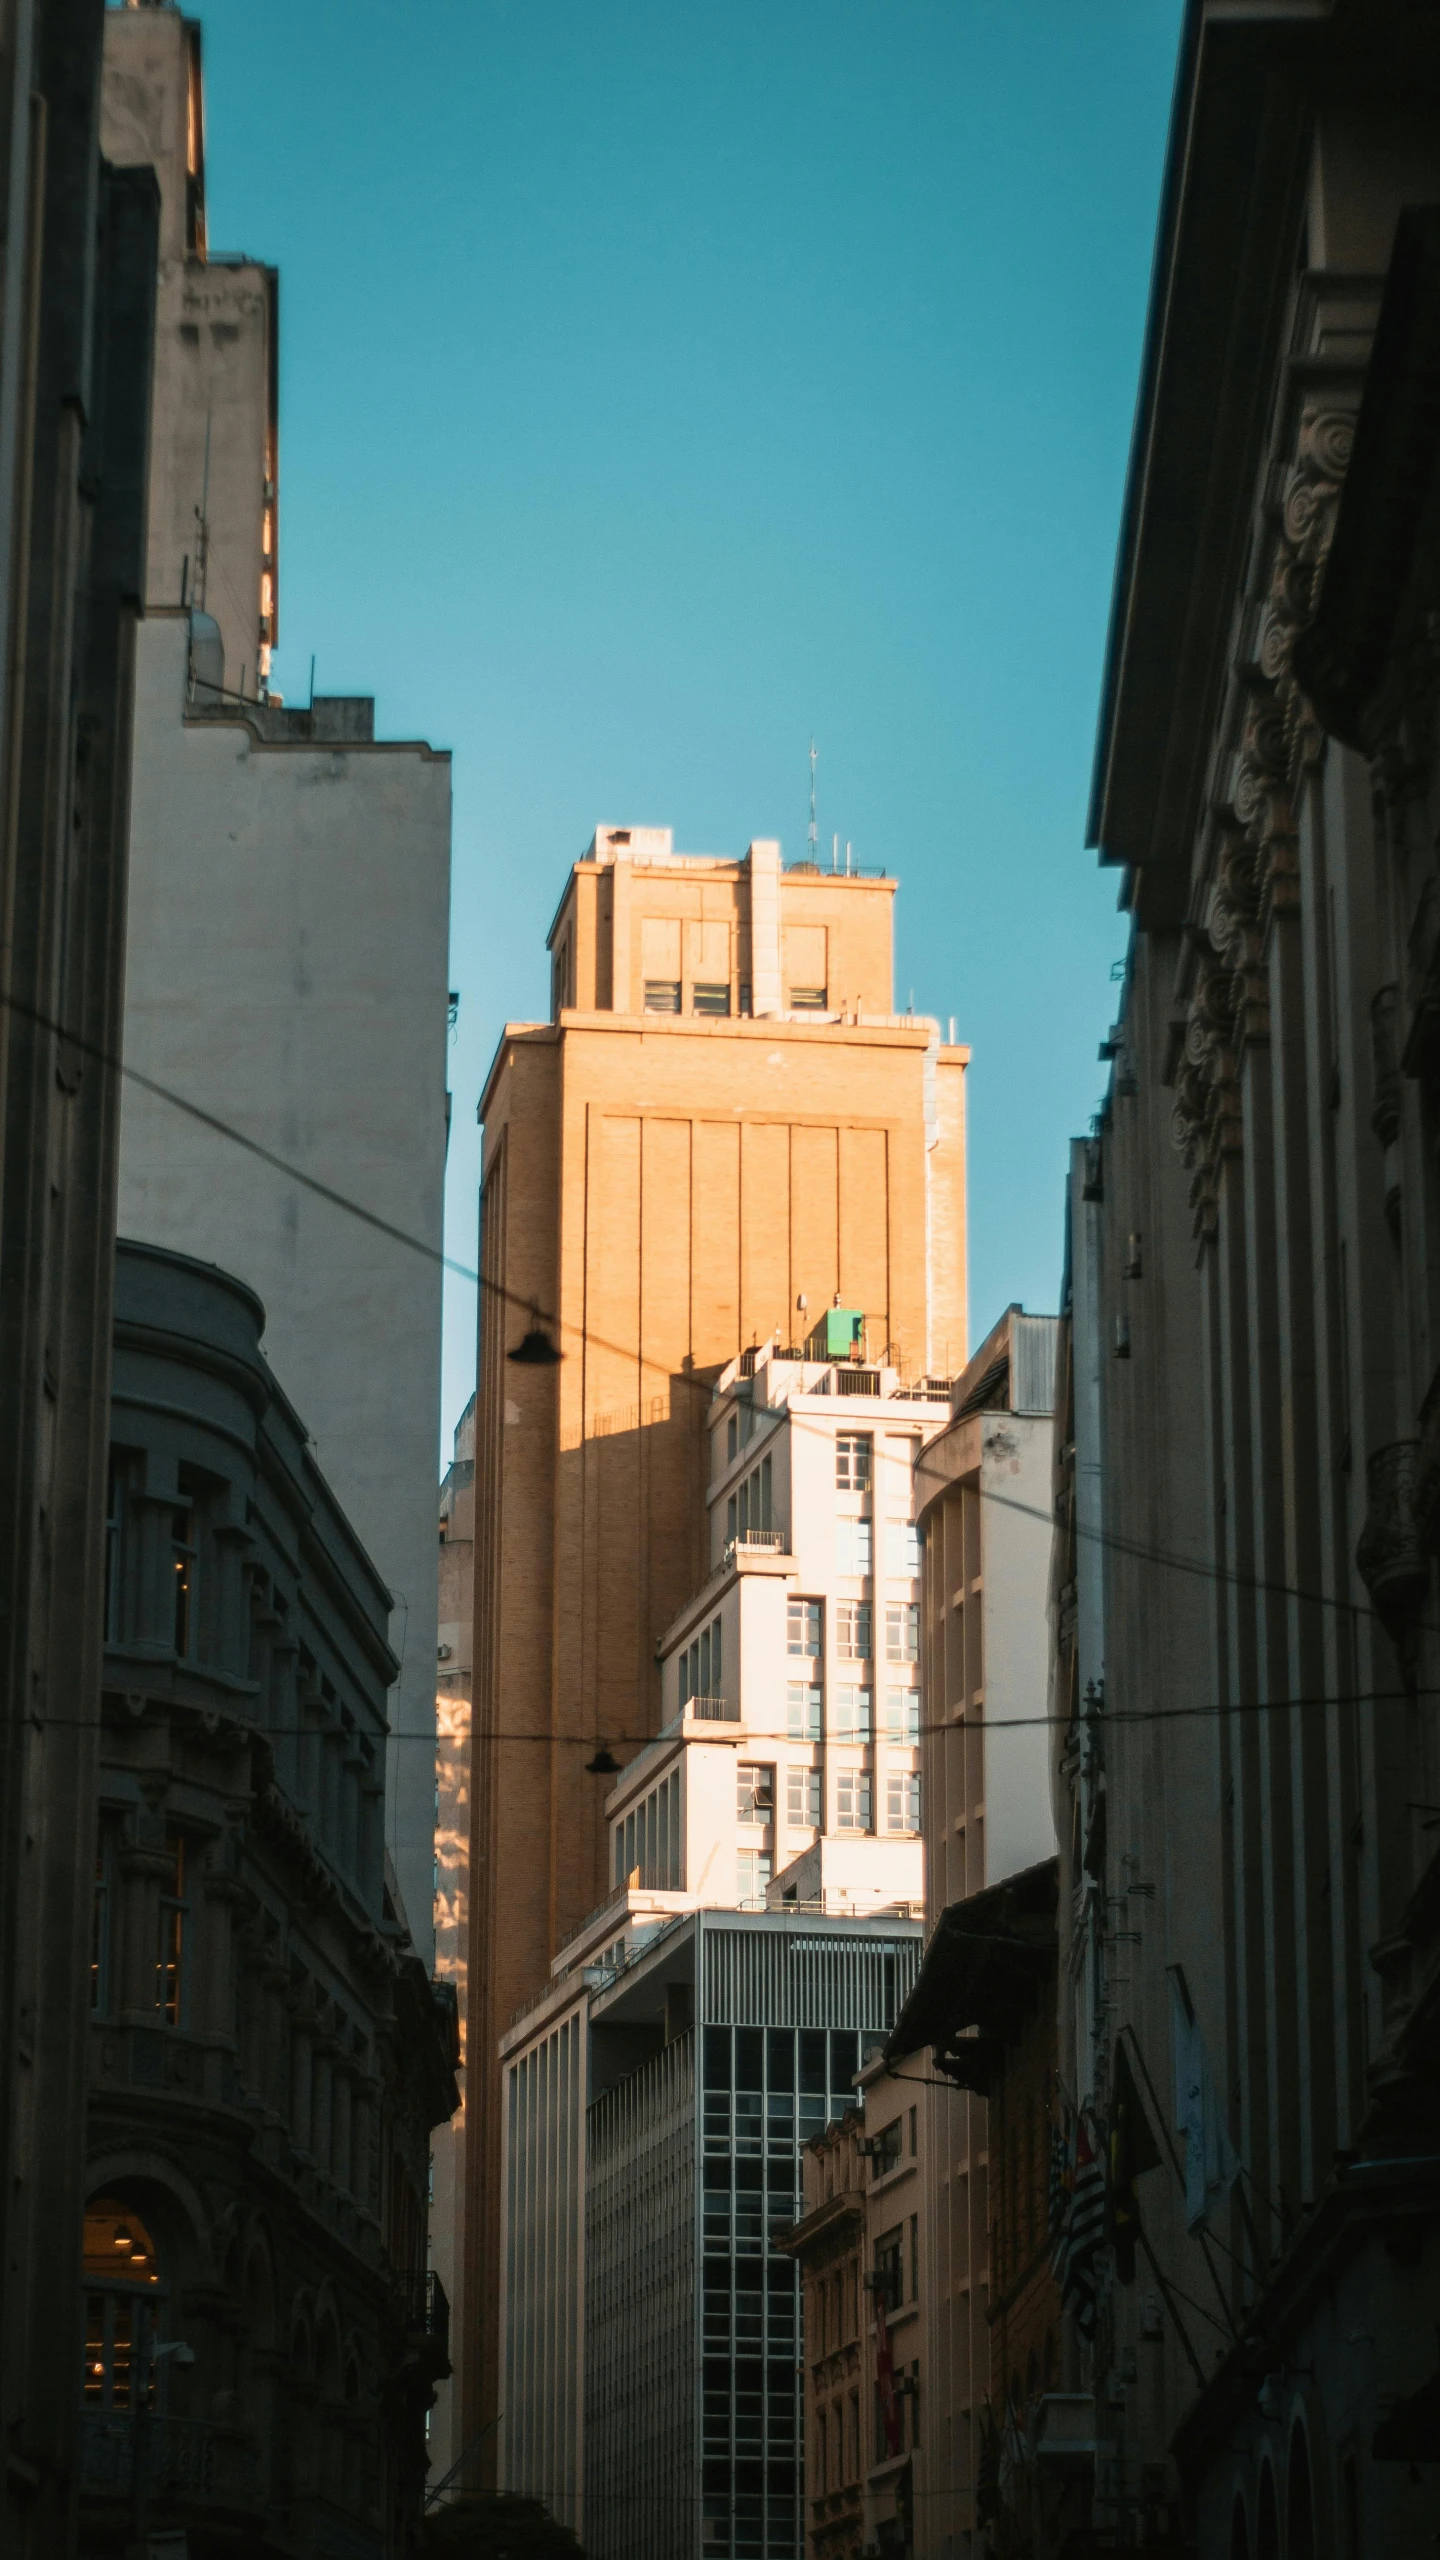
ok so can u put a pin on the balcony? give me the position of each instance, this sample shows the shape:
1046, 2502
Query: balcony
183, 2457
713, 1710
770, 1542
424, 2310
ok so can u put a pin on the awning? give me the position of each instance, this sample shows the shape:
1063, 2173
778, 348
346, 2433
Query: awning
983, 1970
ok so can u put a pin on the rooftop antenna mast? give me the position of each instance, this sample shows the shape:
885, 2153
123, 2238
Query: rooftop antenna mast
812, 839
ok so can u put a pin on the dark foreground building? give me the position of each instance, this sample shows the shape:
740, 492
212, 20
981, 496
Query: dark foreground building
77, 293
1247, 1615
267, 2056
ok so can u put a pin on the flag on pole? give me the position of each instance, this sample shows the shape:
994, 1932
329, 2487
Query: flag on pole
1085, 2227
1211, 2162
1133, 2150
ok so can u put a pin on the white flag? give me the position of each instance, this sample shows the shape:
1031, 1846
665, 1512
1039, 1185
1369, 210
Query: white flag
1211, 2164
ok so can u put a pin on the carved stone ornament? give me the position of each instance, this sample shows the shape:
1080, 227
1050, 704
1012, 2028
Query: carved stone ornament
1255, 875
1389, 1556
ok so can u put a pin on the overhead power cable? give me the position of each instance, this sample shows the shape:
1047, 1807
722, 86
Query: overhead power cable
1110, 1540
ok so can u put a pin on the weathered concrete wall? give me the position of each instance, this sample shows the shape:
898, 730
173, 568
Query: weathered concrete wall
287, 972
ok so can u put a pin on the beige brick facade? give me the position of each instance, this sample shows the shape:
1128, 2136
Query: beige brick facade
663, 1187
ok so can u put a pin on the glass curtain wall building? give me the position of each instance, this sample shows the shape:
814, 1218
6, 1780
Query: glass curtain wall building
723, 2046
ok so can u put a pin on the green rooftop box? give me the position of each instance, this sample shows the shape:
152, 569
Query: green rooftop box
839, 1335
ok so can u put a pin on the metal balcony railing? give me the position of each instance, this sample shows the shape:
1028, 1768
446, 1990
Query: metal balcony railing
714, 1710
425, 2316
190, 2457
768, 1541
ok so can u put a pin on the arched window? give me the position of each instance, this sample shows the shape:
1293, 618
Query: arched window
123, 2303
1299, 2500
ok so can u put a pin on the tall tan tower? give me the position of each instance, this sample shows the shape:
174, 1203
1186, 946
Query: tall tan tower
722, 1129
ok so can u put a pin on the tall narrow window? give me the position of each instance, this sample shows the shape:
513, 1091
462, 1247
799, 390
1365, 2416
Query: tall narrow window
174, 1921
902, 1715
100, 1928
805, 1627
802, 1799
182, 1566
122, 2312
853, 1454
854, 1546
902, 1632
854, 1638
803, 1706
904, 1547
767, 1516
114, 1531
855, 1714
852, 1800
902, 1801
717, 1662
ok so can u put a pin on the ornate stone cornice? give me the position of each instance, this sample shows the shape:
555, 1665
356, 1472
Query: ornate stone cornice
1252, 877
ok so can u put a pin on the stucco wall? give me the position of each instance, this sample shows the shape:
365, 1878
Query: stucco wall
287, 972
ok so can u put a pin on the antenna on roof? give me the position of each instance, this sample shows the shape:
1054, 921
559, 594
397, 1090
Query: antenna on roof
812, 839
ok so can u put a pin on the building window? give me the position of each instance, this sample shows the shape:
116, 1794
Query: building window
855, 1714
854, 1547
710, 999
902, 1715
100, 1928
890, 2269
854, 1455
802, 1799
174, 1920
804, 1706
756, 1500
732, 1437
662, 995
805, 1628
122, 2308
902, 1632
753, 1871
807, 1000
854, 1637
914, 2253
732, 1521
852, 1800
902, 1801
702, 1666
114, 1541
904, 1547
182, 1566
754, 1792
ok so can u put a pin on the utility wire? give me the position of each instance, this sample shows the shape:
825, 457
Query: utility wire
1113, 1541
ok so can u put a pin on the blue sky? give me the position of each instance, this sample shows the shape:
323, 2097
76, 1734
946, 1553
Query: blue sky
663, 381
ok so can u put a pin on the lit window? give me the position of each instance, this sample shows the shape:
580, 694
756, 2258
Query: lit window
902, 1632
122, 2313
182, 1565
854, 1637
854, 1452
174, 1915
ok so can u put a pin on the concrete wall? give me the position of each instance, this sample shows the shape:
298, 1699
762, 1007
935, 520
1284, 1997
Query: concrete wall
288, 937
